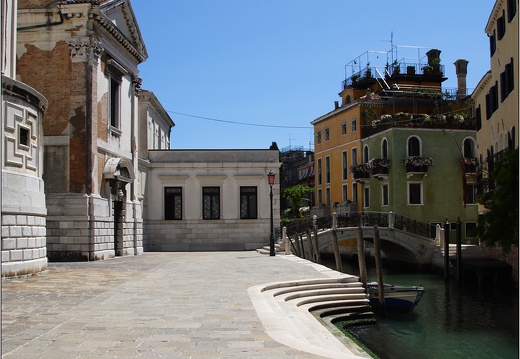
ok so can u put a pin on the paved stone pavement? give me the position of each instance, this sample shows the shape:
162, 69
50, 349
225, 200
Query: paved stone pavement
157, 305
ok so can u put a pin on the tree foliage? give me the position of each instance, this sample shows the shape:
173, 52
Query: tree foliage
295, 195
500, 223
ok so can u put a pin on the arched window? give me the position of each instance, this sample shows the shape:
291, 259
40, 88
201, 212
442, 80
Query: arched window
469, 148
365, 154
384, 149
414, 146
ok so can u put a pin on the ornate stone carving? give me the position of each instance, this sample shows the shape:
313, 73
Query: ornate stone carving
137, 82
82, 49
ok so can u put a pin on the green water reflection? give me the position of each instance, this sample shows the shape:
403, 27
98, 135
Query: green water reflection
450, 321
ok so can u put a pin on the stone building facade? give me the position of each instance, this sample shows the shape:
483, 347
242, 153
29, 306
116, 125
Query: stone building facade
85, 166
23, 199
83, 56
209, 199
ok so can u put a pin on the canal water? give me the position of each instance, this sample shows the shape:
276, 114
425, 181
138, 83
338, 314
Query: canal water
450, 321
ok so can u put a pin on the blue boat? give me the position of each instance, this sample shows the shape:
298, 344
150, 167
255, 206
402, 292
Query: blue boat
397, 298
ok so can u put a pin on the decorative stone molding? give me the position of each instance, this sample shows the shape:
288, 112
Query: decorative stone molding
81, 49
118, 35
137, 82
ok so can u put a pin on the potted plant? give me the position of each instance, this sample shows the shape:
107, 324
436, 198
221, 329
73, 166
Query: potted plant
396, 68
410, 70
368, 72
417, 164
436, 66
354, 78
427, 70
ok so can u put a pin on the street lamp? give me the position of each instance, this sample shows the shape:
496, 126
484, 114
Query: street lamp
270, 180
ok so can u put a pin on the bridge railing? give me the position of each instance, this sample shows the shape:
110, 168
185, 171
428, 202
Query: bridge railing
366, 219
414, 226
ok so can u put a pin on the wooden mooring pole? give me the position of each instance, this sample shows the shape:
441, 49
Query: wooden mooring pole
315, 237
446, 251
312, 256
379, 271
297, 245
361, 257
335, 244
459, 250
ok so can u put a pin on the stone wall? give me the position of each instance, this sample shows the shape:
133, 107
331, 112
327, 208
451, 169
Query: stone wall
205, 235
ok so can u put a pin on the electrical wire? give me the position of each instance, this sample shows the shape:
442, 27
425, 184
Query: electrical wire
236, 122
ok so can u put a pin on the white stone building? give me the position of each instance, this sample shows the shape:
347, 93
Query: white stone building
93, 176
23, 199
209, 199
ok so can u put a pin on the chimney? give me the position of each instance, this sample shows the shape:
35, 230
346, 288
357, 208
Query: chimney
336, 105
432, 55
461, 69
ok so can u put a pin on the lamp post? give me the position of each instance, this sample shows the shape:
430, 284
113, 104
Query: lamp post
270, 180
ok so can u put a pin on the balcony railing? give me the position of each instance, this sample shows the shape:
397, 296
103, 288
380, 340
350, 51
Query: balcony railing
359, 174
416, 169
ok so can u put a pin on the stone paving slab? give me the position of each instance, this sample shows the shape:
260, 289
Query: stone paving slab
156, 305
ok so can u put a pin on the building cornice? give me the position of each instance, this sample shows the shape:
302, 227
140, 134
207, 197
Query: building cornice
495, 14
106, 24
483, 85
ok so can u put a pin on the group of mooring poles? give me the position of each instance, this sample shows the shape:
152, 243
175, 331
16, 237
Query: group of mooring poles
379, 265
314, 251
312, 243
447, 251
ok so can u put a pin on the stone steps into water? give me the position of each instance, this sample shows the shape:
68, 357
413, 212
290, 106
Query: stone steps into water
327, 299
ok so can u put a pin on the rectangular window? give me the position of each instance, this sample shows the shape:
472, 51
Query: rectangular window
479, 117
415, 193
354, 124
470, 193
327, 169
248, 202
24, 135
366, 197
327, 134
492, 100
385, 197
501, 26
319, 171
344, 164
320, 197
327, 196
354, 156
507, 81
354, 193
471, 229
172, 203
211, 202
343, 128
345, 193
511, 10
492, 43
318, 137
115, 100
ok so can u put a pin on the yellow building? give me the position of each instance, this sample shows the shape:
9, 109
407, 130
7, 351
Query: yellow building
369, 93
496, 95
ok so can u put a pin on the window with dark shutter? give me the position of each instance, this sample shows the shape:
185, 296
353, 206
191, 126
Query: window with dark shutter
248, 202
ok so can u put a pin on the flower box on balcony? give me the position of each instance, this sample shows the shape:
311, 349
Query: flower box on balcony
470, 168
361, 175
380, 172
410, 168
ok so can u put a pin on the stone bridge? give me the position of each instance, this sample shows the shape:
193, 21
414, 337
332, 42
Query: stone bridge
402, 239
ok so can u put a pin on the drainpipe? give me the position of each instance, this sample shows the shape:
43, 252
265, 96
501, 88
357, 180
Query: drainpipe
91, 57
135, 162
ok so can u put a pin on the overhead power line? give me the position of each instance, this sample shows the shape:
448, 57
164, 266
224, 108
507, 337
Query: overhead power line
236, 122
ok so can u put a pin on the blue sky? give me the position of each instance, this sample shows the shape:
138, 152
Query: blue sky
244, 73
